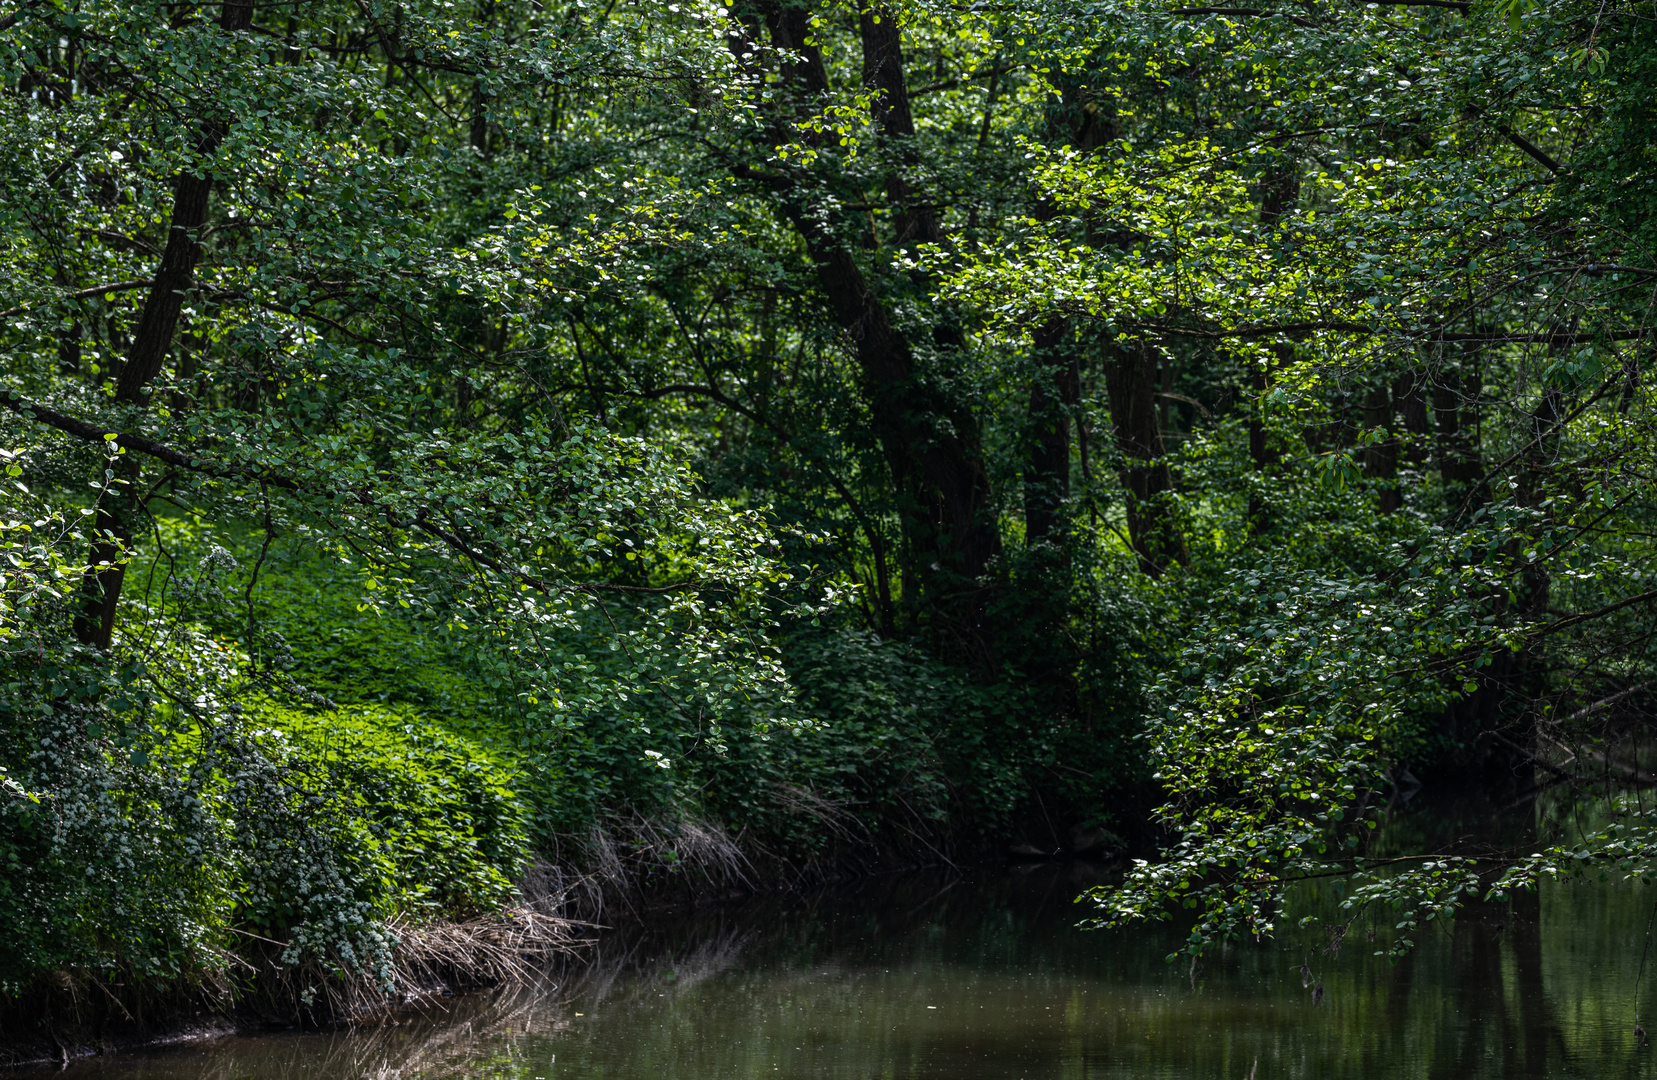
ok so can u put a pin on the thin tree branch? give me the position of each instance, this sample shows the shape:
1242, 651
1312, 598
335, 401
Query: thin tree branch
112, 287
1532, 149
80, 429
1242, 13
10, 21
1598, 613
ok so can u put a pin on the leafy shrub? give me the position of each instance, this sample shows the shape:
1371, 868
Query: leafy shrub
114, 866
428, 823
902, 742
136, 840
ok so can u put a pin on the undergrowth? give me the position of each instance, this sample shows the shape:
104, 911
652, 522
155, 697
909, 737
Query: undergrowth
298, 786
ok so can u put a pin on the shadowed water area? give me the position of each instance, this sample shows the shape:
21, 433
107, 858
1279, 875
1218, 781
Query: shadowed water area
985, 975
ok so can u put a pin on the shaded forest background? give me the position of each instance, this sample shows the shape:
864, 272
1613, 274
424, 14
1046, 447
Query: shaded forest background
465, 459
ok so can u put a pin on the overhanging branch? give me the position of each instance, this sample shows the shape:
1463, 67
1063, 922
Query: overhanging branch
1598, 613
1419, 333
1243, 13
92, 433
112, 287
1536, 152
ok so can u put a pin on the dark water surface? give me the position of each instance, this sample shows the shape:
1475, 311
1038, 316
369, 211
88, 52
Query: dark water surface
985, 976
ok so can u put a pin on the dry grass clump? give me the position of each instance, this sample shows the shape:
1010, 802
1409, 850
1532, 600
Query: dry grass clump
508, 948
72, 1013
515, 947
633, 860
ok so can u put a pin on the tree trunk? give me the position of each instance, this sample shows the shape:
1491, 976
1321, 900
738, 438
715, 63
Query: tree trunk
1411, 404
914, 219
931, 441
1279, 193
1512, 681
1130, 383
1055, 379
1460, 463
1381, 458
157, 326
1547, 420
1054, 390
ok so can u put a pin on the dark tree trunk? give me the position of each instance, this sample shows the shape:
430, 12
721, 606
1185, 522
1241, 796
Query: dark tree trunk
1279, 193
1054, 391
930, 440
915, 219
1381, 458
1411, 404
1546, 421
1130, 383
1508, 687
145, 358
1055, 378
1460, 464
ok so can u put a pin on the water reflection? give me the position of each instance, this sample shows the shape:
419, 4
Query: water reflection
968, 978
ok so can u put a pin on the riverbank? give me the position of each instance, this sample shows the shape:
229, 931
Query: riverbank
181, 860
554, 933
985, 975
74, 1015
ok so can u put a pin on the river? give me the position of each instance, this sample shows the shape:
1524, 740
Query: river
984, 975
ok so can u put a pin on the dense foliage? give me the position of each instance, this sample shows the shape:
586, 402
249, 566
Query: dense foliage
679, 439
